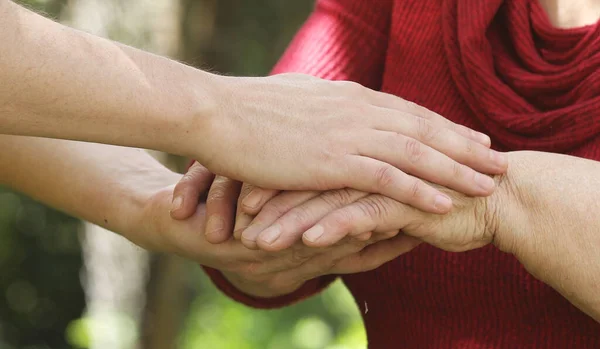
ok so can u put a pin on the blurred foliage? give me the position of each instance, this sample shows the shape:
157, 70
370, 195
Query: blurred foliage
328, 321
41, 300
40, 262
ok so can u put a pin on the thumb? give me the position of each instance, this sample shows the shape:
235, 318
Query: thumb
188, 190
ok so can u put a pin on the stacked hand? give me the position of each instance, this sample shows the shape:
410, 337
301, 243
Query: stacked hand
524, 217
297, 132
411, 143
434, 149
343, 231
257, 272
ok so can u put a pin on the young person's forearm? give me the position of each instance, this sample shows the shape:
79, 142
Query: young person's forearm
551, 222
62, 83
287, 132
103, 184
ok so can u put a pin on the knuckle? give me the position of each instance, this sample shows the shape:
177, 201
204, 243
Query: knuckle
299, 255
384, 176
299, 216
457, 170
342, 219
425, 130
273, 209
420, 111
415, 188
196, 172
469, 145
414, 150
413, 108
336, 197
198, 169
373, 207
188, 177
217, 194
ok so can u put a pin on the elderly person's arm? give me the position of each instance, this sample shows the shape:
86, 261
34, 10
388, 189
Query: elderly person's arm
545, 212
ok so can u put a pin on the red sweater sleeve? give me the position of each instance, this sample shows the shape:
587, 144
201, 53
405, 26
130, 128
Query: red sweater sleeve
341, 40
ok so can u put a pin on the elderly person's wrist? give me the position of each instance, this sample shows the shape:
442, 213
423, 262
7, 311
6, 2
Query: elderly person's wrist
505, 214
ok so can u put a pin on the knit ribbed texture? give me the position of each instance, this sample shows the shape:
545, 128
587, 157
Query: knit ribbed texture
496, 66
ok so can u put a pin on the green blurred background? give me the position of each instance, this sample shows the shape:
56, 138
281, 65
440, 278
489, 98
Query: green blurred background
65, 284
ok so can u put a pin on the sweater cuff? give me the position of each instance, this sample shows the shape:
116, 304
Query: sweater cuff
309, 288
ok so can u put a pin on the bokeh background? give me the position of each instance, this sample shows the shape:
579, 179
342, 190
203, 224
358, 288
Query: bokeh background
66, 284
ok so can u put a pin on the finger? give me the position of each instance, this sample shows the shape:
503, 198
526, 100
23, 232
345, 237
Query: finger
364, 236
374, 176
375, 255
372, 213
461, 149
242, 221
274, 209
246, 211
220, 209
327, 260
301, 262
456, 141
415, 158
398, 104
288, 229
447, 141
376, 237
324, 260
253, 202
188, 190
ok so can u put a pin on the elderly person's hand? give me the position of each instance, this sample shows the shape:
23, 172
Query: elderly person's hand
544, 212
322, 219
255, 272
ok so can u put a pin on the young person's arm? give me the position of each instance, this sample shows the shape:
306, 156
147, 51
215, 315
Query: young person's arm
284, 132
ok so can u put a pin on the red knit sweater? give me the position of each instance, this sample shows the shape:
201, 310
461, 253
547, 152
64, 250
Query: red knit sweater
495, 66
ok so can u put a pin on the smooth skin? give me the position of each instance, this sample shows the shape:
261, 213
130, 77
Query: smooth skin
291, 131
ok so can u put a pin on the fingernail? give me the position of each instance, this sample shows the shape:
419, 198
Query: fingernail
500, 159
484, 182
251, 233
313, 234
215, 225
442, 203
177, 203
252, 200
270, 235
